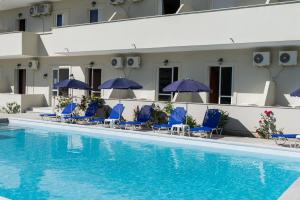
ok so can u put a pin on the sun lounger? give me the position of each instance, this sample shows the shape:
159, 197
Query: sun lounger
210, 123
89, 114
143, 117
178, 116
67, 111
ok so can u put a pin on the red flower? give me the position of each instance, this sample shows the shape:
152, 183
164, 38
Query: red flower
260, 121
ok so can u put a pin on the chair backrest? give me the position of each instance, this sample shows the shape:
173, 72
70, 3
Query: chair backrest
92, 109
212, 118
145, 114
69, 109
178, 116
116, 112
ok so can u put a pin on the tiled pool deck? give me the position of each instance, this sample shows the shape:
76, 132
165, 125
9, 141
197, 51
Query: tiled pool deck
247, 140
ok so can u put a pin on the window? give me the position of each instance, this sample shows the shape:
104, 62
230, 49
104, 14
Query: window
22, 25
94, 80
166, 77
170, 6
59, 20
94, 15
221, 85
60, 75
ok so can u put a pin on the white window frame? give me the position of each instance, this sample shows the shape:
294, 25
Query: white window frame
88, 78
99, 14
52, 83
157, 88
220, 77
63, 19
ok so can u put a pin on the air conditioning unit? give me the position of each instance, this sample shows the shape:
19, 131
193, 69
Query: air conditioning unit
117, 62
40, 9
33, 65
133, 62
288, 58
261, 59
45, 9
34, 11
116, 2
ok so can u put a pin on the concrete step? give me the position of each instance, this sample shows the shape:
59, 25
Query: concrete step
42, 110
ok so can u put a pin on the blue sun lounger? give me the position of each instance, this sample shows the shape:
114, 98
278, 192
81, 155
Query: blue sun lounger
281, 139
143, 117
67, 111
114, 117
178, 116
210, 123
89, 114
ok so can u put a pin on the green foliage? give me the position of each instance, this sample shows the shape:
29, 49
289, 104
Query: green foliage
159, 115
168, 108
62, 102
12, 108
136, 112
191, 121
267, 125
95, 98
224, 119
83, 103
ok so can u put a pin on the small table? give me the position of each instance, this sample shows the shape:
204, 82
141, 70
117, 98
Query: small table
180, 129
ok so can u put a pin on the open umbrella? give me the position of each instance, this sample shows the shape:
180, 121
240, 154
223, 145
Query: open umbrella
296, 93
120, 83
72, 84
187, 85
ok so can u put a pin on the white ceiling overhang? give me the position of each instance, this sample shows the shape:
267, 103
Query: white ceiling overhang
11, 4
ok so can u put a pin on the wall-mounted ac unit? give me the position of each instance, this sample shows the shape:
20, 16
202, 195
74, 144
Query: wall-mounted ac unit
45, 8
117, 62
133, 62
40, 9
288, 58
33, 65
116, 2
261, 59
34, 11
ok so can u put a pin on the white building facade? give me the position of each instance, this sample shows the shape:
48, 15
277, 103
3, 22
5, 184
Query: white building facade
237, 47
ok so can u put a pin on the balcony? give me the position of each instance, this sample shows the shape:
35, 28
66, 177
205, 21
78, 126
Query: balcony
244, 27
18, 45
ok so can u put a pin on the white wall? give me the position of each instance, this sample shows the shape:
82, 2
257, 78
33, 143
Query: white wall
248, 81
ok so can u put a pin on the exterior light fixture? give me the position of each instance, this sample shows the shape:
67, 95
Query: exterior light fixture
92, 64
45, 76
166, 62
221, 61
94, 3
71, 76
20, 15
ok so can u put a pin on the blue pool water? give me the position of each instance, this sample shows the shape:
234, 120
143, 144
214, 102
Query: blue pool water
46, 164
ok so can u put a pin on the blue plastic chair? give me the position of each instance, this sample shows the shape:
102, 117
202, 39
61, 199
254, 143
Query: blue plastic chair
89, 114
281, 139
143, 117
178, 116
67, 111
115, 114
210, 123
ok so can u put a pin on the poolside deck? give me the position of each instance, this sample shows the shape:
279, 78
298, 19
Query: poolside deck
246, 140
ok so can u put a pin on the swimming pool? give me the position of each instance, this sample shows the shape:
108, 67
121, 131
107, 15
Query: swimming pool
44, 163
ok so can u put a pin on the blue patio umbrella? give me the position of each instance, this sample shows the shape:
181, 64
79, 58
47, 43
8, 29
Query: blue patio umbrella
121, 84
186, 85
296, 93
72, 84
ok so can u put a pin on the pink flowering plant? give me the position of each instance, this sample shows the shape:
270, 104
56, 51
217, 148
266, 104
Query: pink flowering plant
267, 125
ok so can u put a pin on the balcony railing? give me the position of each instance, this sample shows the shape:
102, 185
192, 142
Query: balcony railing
18, 45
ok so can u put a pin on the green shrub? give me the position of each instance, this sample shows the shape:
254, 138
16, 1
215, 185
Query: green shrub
159, 115
191, 121
168, 108
224, 119
12, 108
62, 102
